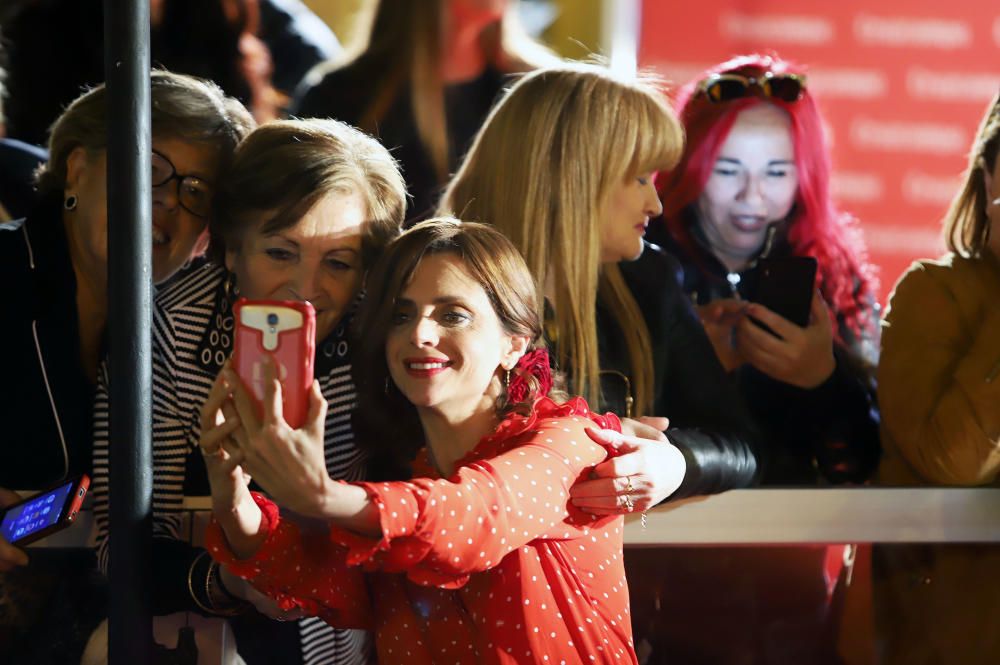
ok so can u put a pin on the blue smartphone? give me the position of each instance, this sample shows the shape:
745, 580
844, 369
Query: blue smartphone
45, 513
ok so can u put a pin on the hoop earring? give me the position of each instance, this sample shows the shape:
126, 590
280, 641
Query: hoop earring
70, 202
229, 287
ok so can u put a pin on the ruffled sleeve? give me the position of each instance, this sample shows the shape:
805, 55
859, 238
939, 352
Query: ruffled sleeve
512, 489
298, 570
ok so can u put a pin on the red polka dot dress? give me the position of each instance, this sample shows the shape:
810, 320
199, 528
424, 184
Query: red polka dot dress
492, 565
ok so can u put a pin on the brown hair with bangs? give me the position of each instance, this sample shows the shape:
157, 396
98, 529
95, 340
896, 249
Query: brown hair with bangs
285, 167
542, 169
494, 263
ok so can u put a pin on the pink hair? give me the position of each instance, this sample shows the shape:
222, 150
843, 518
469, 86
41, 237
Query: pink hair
846, 279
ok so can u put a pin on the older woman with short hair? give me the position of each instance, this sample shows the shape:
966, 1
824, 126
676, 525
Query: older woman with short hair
301, 214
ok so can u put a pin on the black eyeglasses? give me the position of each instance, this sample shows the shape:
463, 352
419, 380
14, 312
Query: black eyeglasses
721, 88
193, 193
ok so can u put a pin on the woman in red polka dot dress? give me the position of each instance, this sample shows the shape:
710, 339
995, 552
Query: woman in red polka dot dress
470, 551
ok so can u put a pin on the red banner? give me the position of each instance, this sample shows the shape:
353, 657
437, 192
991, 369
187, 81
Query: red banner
902, 86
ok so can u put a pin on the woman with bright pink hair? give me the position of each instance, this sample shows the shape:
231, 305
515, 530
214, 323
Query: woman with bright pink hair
754, 182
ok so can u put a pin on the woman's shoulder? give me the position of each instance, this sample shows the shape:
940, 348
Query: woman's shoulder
931, 278
195, 285
570, 416
332, 90
951, 288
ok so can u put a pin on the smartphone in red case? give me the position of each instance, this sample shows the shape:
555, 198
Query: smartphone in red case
47, 512
285, 330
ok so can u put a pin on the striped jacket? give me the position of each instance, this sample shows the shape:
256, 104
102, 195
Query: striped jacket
192, 338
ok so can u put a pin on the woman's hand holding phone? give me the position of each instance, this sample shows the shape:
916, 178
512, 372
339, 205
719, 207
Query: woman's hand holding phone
289, 463
720, 318
802, 357
232, 504
10, 556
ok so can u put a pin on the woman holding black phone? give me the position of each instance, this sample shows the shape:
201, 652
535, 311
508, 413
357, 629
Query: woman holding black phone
748, 213
747, 210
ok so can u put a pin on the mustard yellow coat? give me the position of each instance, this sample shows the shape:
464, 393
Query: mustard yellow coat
939, 394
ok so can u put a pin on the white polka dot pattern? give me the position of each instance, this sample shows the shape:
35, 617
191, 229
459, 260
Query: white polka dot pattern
491, 565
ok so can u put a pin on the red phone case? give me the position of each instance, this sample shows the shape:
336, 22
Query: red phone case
286, 330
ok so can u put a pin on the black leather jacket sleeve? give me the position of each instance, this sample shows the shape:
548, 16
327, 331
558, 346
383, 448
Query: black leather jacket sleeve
709, 421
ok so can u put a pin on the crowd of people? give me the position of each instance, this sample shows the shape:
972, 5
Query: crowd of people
534, 287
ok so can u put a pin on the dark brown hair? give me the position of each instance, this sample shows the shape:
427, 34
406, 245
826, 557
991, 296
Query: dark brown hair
493, 261
286, 166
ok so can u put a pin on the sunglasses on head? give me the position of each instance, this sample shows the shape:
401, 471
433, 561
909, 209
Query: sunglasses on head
721, 88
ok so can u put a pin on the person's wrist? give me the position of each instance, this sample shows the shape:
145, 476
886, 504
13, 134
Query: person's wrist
823, 372
242, 527
222, 600
326, 503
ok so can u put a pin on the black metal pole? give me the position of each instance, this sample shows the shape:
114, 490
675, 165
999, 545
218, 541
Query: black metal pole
126, 71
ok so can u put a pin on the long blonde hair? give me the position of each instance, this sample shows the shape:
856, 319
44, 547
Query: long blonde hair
966, 226
542, 169
404, 46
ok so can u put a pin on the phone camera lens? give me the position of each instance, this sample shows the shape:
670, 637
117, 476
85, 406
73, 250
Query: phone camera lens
272, 319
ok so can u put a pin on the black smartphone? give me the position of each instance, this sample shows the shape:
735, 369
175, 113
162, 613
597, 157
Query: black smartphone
785, 286
45, 513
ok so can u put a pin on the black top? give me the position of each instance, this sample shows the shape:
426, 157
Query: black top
56, 52
18, 162
45, 397
708, 421
297, 40
344, 95
827, 434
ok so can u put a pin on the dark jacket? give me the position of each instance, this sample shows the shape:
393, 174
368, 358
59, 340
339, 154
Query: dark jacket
18, 162
45, 397
708, 421
345, 95
297, 40
827, 434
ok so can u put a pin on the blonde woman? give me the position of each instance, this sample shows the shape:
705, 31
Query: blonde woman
939, 390
423, 80
564, 167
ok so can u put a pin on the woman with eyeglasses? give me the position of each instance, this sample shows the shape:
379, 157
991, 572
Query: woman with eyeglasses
752, 186
301, 213
939, 390
53, 265
54, 262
